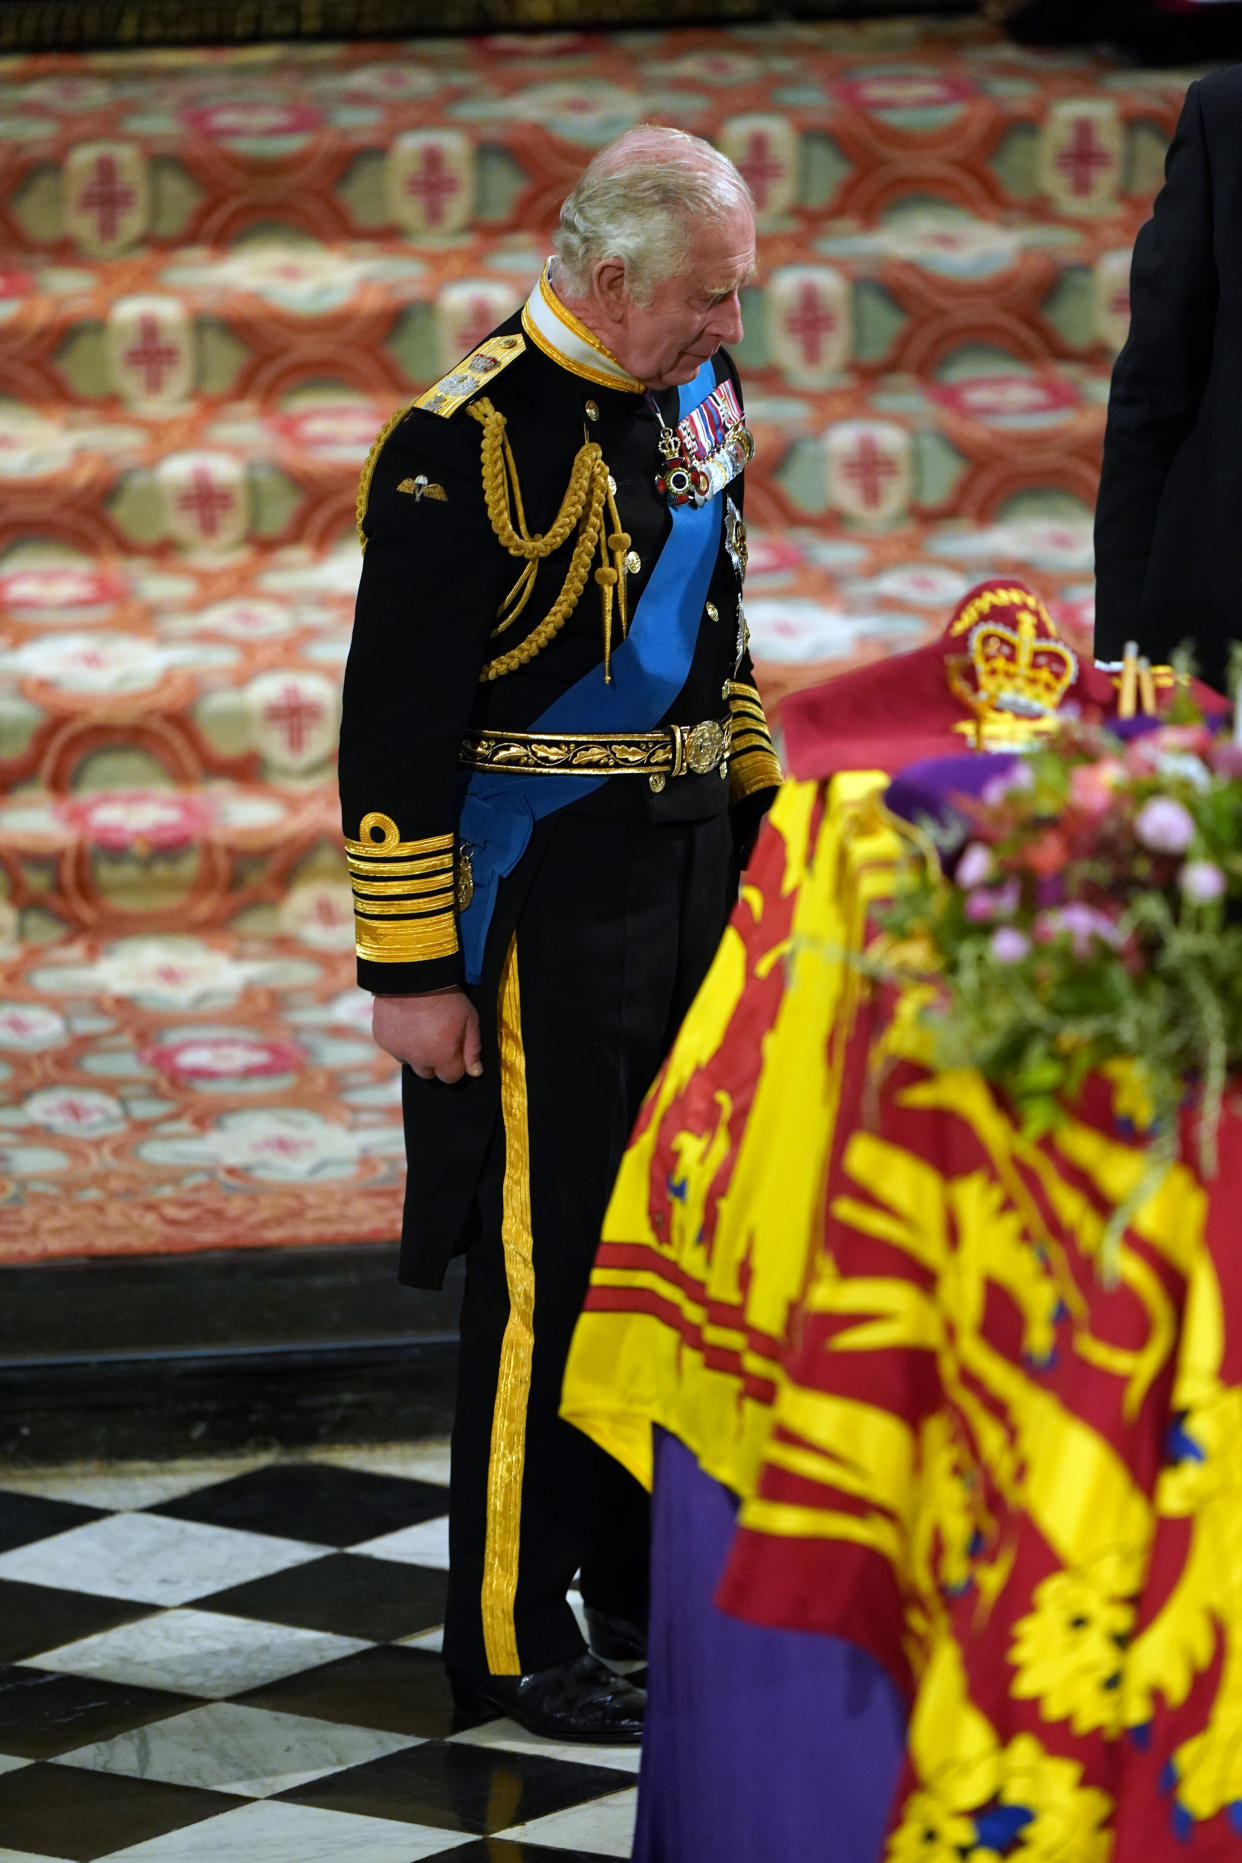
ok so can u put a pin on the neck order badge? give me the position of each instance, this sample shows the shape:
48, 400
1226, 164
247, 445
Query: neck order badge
706, 451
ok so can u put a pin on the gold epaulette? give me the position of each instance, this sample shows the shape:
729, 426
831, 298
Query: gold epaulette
455, 389
445, 397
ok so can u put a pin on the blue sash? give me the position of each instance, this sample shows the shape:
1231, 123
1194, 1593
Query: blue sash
649, 669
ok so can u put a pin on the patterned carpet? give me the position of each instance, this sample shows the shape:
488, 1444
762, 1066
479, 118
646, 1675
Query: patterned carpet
220, 272
202, 1664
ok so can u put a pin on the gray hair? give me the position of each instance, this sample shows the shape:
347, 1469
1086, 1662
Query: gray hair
638, 202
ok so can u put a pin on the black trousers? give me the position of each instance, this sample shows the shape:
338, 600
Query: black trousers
615, 933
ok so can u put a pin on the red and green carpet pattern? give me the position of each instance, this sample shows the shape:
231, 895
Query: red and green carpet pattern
219, 273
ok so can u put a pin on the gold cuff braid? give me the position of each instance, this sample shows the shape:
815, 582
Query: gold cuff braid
404, 893
406, 941
752, 770
390, 846
754, 765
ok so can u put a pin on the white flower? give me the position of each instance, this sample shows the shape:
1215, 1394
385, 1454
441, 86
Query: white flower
976, 866
1163, 825
1184, 766
1202, 881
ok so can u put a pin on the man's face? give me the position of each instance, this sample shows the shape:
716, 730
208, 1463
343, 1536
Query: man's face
666, 342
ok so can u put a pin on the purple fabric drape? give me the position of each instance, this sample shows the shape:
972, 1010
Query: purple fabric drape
761, 1746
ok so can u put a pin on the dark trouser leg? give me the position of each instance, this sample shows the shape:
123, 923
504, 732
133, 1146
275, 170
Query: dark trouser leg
611, 945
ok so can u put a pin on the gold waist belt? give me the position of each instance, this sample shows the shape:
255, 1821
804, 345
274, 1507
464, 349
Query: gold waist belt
675, 750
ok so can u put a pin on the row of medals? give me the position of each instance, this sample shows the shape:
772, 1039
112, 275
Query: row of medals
690, 477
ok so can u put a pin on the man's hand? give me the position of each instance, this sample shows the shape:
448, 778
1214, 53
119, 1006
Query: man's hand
437, 1033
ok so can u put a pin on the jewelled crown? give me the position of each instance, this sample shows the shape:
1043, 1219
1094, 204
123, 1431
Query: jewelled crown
1016, 669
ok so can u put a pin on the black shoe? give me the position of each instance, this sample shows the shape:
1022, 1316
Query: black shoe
576, 1700
616, 1639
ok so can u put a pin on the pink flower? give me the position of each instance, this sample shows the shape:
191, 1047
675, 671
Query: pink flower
1194, 738
1227, 758
1164, 826
1202, 881
1142, 755
976, 867
1092, 785
1006, 783
983, 905
1009, 946
1083, 923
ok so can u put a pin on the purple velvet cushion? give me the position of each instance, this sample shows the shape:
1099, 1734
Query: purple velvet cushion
925, 791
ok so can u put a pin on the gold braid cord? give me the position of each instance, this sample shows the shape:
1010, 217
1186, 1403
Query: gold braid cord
582, 508
368, 471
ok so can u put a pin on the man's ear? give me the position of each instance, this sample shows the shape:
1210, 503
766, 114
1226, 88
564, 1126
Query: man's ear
611, 292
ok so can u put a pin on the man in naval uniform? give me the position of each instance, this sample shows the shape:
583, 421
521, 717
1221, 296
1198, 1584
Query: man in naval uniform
553, 762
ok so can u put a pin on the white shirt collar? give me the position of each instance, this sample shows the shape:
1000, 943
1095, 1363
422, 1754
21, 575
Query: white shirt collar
566, 339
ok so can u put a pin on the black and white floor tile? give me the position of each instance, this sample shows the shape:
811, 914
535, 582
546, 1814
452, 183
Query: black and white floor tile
209, 1663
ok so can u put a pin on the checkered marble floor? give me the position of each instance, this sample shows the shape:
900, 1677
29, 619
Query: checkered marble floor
213, 1662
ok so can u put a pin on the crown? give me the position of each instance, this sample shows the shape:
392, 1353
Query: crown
1017, 669
1021, 668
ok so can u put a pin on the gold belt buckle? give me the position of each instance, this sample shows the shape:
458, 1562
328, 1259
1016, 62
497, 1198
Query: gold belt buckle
696, 748
705, 745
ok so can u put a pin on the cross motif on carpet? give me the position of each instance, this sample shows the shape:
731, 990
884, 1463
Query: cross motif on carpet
434, 184
293, 712
206, 501
106, 196
1082, 159
870, 469
152, 355
478, 322
760, 167
809, 323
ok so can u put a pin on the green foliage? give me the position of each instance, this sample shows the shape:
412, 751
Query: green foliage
1094, 917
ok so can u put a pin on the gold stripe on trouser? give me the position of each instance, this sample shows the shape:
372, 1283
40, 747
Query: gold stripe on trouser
507, 1460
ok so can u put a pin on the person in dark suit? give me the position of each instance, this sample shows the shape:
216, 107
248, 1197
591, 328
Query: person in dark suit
1168, 524
553, 761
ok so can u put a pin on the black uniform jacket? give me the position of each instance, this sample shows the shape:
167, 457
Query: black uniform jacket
434, 577
433, 580
1168, 529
